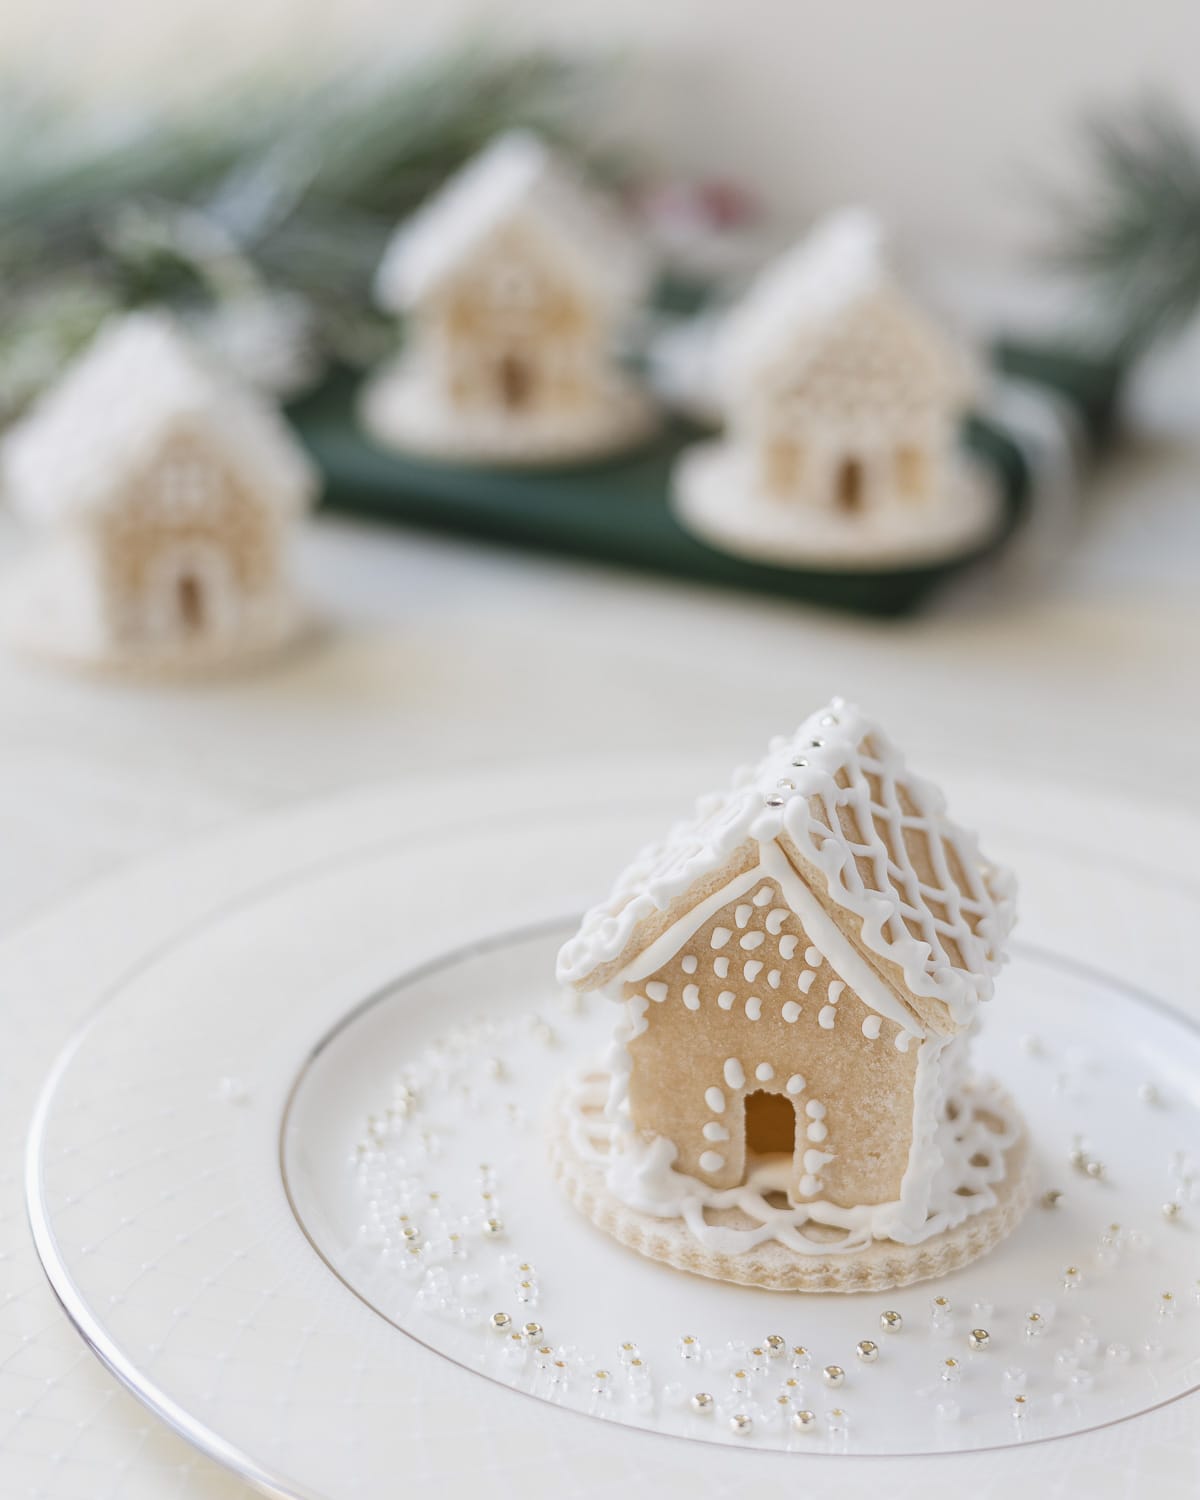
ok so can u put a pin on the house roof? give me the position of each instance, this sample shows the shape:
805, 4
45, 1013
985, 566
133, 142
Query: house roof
869, 838
833, 299
141, 379
517, 178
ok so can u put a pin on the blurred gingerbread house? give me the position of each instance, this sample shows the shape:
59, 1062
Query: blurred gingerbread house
844, 403
167, 493
513, 282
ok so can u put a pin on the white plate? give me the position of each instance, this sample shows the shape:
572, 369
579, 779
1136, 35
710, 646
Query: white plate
161, 1210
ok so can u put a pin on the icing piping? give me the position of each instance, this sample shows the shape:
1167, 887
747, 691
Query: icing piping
831, 765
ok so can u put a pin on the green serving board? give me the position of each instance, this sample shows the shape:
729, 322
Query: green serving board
617, 511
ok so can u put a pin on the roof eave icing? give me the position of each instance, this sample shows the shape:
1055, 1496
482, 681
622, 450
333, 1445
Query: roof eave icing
795, 796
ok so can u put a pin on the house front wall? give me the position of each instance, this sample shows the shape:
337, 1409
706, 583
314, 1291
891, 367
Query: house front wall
512, 331
751, 1038
186, 527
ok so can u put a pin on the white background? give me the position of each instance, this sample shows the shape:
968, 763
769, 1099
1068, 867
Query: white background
944, 114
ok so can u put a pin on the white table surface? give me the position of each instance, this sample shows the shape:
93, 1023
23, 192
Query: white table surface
441, 655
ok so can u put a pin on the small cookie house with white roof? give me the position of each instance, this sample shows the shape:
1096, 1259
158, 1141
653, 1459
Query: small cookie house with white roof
513, 282
844, 403
799, 968
167, 493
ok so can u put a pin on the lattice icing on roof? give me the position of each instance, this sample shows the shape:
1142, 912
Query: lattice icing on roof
516, 176
140, 379
879, 839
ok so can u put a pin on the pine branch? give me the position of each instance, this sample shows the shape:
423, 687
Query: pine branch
292, 191
1133, 239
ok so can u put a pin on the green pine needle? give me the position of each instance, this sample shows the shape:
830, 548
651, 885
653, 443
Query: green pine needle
1133, 239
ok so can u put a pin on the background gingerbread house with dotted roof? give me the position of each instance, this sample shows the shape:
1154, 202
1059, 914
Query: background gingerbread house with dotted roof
846, 393
512, 280
167, 492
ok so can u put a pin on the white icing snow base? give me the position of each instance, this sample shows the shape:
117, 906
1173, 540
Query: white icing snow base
415, 1160
967, 1162
402, 408
714, 496
43, 616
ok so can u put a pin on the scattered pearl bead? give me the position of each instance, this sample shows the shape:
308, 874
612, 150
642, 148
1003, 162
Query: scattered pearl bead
1020, 1406
776, 1345
1072, 1278
867, 1351
689, 1347
1035, 1325
702, 1401
833, 1376
501, 1322
741, 1425
804, 1421
951, 1369
800, 1359
891, 1322
979, 1338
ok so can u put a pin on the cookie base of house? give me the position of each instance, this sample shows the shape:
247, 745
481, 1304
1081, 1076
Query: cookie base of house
881, 1265
714, 496
40, 621
403, 411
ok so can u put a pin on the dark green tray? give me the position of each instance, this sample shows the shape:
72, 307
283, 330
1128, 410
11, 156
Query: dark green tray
617, 511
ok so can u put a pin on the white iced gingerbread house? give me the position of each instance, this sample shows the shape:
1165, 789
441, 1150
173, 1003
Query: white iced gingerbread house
799, 969
844, 402
167, 493
513, 283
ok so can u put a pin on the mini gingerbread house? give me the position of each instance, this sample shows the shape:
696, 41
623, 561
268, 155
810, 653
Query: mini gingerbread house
847, 393
167, 492
844, 403
513, 282
799, 969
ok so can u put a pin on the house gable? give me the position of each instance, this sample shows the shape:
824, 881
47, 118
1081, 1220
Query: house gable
748, 1006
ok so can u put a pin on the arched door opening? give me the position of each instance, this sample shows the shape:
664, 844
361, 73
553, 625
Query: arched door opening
192, 605
850, 486
516, 382
770, 1125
